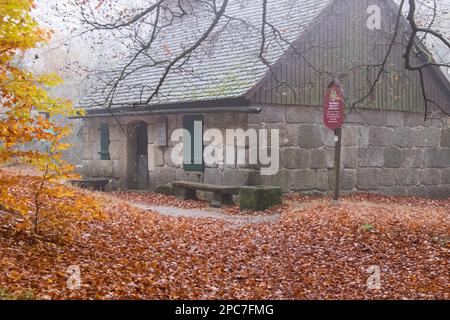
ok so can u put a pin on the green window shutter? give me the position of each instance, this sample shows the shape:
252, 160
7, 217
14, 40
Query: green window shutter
104, 141
193, 147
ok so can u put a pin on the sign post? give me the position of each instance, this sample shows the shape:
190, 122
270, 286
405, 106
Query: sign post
333, 117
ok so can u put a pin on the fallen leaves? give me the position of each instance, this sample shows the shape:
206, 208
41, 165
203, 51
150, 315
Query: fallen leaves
317, 250
60, 214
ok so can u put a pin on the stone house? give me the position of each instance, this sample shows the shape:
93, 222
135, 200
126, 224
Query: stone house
388, 148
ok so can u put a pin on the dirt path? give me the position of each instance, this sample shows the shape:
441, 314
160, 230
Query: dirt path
209, 213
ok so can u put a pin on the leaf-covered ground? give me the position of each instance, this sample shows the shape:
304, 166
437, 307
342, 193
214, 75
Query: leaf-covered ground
316, 250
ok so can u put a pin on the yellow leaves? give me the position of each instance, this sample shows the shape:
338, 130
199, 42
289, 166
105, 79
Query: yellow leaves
14, 275
28, 117
24, 95
50, 79
18, 30
62, 211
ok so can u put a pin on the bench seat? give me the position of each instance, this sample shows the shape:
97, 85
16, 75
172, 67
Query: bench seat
222, 195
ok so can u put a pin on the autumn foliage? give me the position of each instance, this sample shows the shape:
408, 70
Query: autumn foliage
27, 114
312, 250
63, 213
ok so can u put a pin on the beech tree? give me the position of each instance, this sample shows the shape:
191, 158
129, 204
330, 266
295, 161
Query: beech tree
27, 116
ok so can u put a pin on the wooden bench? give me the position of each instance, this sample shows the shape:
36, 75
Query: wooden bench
97, 184
221, 195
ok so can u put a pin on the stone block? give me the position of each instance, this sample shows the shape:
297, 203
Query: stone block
254, 118
116, 133
186, 194
374, 117
303, 179
445, 139
328, 137
381, 136
392, 157
273, 114
445, 176
353, 118
371, 157
87, 150
413, 119
310, 136
393, 191
437, 158
159, 156
321, 158
404, 137
258, 198
116, 150
387, 177
255, 178
364, 136
407, 177
412, 158
439, 192
235, 177
219, 199
118, 169
296, 114
347, 179
367, 179
294, 158
289, 135
282, 179
151, 157
428, 137
101, 168
350, 136
322, 182
180, 175
213, 176
164, 175
430, 176
395, 119
437, 123
349, 158
418, 191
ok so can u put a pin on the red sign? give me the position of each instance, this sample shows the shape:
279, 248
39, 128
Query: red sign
333, 109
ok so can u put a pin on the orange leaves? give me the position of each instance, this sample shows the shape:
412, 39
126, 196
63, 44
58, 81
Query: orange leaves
317, 250
62, 212
28, 119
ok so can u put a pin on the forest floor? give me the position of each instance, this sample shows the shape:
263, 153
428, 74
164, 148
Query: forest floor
308, 248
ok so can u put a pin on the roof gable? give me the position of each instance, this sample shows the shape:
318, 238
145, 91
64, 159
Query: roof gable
338, 42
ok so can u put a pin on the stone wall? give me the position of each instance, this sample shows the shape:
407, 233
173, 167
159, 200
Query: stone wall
386, 152
165, 171
91, 165
161, 169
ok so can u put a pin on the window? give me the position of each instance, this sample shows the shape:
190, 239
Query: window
193, 143
104, 141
